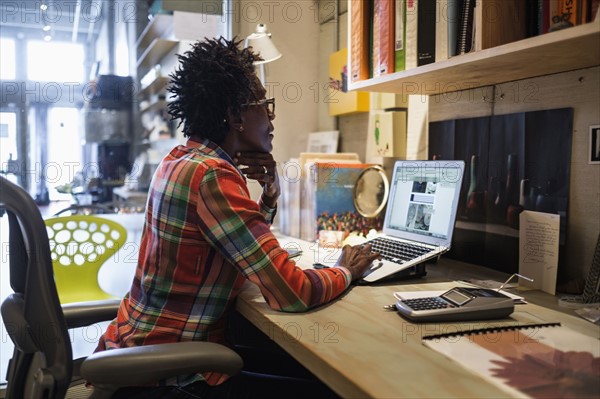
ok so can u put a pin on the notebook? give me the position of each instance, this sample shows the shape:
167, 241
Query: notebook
420, 215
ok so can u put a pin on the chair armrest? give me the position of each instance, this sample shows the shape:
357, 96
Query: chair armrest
142, 365
81, 314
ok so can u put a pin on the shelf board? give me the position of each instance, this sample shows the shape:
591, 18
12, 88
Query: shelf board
160, 26
554, 52
156, 105
155, 52
156, 86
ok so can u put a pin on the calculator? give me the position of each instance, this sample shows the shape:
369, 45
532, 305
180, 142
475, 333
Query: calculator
458, 304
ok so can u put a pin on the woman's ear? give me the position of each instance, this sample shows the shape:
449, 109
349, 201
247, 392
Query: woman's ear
235, 120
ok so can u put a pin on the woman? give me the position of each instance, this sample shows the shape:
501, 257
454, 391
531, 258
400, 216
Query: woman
204, 235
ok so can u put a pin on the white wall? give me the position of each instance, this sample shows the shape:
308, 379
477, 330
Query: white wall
292, 79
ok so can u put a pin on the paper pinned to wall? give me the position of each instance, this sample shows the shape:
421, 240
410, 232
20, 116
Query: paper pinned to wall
538, 249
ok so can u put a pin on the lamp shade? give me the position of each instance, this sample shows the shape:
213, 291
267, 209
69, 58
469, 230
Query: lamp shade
261, 43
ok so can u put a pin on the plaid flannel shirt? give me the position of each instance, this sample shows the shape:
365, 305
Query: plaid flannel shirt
203, 237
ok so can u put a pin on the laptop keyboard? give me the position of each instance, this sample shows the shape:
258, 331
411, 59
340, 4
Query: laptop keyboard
396, 251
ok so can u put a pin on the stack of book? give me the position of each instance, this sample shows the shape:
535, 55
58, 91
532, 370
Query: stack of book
393, 35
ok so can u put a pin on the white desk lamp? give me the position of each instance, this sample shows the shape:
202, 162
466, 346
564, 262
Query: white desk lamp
261, 43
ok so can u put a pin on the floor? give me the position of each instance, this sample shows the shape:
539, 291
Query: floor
114, 277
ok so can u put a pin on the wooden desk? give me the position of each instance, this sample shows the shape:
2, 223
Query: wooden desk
360, 350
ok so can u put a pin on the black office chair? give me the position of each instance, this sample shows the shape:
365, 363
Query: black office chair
42, 365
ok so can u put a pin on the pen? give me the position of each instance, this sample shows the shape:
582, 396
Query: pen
320, 266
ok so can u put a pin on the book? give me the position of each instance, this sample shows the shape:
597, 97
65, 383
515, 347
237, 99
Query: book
544, 14
375, 38
563, 14
594, 11
289, 203
533, 8
359, 40
335, 216
307, 187
583, 9
441, 31
426, 32
411, 34
453, 19
399, 35
499, 22
536, 360
465, 27
383, 35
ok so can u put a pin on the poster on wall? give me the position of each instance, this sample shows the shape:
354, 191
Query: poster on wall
515, 162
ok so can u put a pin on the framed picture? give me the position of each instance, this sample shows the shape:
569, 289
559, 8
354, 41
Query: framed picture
594, 152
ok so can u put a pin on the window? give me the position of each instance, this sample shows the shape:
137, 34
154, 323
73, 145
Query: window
55, 61
8, 138
7, 59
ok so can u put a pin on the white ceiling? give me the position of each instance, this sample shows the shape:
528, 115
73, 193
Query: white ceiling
26, 19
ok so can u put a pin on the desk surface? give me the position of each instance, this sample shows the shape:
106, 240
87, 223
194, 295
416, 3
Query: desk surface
360, 350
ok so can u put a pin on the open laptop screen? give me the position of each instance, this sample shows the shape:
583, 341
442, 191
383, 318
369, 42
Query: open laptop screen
423, 200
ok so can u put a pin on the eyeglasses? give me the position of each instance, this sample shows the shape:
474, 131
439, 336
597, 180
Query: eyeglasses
268, 103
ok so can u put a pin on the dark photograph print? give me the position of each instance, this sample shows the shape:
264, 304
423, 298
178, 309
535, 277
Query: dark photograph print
595, 144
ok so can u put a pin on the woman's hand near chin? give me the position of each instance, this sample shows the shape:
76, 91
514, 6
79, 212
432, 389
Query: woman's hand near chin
261, 167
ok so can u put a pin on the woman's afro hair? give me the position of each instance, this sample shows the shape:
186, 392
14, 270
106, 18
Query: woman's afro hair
215, 76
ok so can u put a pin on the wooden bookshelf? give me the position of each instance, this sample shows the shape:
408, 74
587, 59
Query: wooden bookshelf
564, 50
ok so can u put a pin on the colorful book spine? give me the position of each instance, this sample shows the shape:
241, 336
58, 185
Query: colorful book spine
563, 14
400, 35
359, 40
383, 37
411, 33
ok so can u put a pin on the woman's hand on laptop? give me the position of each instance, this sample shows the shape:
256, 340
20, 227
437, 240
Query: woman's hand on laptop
357, 259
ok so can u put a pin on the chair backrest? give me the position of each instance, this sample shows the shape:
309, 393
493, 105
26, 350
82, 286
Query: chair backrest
79, 245
32, 314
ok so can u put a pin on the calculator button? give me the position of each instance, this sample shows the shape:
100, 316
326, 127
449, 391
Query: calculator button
427, 303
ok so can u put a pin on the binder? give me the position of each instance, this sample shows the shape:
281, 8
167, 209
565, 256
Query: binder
426, 31
465, 28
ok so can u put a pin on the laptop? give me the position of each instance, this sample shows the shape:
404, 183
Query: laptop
420, 215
